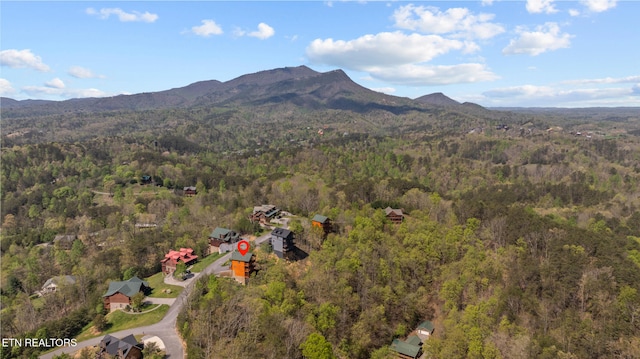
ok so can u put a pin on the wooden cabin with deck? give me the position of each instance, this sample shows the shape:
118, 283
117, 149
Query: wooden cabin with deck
395, 215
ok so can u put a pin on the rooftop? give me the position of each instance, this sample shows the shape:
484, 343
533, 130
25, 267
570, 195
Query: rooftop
128, 287
281, 232
113, 345
61, 279
319, 218
405, 348
221, 233
184, 254
236, 256
396, 211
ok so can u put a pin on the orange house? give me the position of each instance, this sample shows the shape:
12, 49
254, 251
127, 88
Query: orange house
321, 222
242, 266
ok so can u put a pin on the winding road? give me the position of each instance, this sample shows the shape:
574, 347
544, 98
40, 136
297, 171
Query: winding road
166, 328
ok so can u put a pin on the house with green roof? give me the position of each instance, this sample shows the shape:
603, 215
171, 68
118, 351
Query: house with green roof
425, 329
323, 222
406, 350
412, 346
221, 236
119, 294
242, 266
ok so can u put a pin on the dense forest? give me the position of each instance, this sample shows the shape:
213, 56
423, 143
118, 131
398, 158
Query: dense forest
517, 242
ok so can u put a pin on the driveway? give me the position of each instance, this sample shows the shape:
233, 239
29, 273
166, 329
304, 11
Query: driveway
169, 279
167, 301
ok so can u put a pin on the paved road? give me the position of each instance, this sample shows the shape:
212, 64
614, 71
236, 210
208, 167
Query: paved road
166, 328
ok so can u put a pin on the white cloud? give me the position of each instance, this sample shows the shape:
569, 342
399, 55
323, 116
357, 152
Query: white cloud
208, 28
599, 5
520, 91
487, 2
458, 22
547, 37
55, 84
264, 31
82, 73
574, 12
6, 88
22, 59
605, 80
541, 6
425, 75
548, 96
39, 91
122, 15
383, 49
399, 58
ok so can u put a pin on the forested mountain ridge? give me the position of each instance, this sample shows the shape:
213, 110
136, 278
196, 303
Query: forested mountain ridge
520, 241
270, 85
272, 106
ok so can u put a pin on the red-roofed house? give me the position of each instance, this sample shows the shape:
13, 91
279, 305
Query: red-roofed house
171, 259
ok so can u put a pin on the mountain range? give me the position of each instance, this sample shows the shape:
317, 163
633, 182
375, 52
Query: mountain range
300, 86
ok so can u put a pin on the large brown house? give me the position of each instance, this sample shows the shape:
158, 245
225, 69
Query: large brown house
190, 191
395, 215
264, 214
119, 294
221, 236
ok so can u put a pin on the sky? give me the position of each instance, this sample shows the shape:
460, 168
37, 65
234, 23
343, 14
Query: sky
496, 53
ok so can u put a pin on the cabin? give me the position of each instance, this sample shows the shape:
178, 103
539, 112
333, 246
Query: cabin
405, 349
411, 348
282, 241
119, 294
52, 284
221, 238
171, 259
425, 329
263, 214
125, 348
322, 222
395, 215
189, 191
242, 266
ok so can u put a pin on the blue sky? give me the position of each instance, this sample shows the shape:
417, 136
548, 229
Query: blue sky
495, 53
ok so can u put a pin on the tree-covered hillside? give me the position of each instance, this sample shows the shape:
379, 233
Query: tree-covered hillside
516, 244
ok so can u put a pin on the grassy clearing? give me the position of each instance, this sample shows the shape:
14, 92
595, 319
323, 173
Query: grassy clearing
204, 263
158, 287
120, 320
